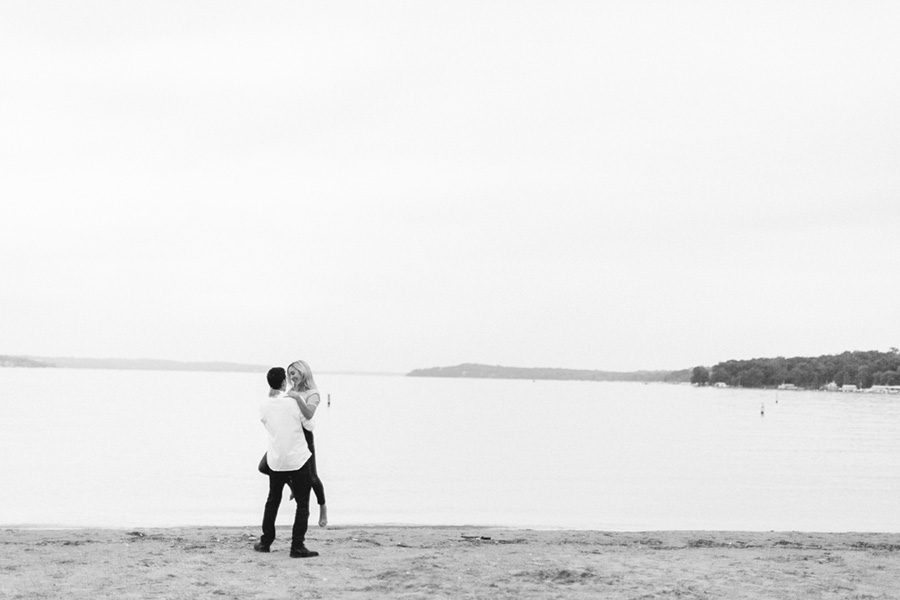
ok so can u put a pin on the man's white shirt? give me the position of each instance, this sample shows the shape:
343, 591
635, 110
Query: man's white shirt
284, 423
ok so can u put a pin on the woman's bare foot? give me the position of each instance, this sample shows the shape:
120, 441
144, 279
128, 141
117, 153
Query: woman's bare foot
323, 516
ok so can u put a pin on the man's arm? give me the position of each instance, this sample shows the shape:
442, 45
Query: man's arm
307, 407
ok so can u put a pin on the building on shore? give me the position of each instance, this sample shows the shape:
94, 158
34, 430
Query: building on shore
884, 389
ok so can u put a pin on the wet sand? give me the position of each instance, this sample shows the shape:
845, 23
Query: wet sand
449, 562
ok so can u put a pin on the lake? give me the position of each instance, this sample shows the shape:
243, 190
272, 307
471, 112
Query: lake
152, 448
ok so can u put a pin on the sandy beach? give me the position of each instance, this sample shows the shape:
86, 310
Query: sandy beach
458, 562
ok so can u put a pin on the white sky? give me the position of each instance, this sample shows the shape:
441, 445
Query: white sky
391, 185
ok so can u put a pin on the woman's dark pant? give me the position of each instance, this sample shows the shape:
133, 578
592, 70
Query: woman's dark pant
317, 487
300, 485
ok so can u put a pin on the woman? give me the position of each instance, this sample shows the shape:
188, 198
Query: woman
303, 389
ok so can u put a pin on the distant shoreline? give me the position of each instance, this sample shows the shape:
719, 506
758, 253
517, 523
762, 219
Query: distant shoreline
148, 364
481, 371
848, 371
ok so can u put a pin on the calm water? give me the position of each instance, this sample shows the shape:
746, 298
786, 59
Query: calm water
123, 449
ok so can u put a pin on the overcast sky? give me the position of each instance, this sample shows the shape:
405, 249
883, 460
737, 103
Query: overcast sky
392, 185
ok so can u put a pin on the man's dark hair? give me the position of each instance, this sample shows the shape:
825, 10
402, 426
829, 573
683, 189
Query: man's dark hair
276, 377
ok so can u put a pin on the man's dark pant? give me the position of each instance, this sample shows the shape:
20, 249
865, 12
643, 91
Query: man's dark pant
300, 483
317, 487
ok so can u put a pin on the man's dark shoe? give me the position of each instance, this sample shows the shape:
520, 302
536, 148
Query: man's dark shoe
260, 547
303, 552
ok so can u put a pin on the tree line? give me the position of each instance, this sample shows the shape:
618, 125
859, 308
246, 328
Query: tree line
861, 368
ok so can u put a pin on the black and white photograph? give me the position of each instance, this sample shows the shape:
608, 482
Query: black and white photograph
472, 299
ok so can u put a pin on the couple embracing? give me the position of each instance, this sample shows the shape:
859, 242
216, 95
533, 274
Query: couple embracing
287, 415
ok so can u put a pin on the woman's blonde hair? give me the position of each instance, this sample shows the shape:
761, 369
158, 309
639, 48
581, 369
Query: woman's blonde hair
307, 382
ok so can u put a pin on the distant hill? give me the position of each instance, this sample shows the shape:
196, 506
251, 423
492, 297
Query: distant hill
499, 372
152, 364
21, 361
141, 364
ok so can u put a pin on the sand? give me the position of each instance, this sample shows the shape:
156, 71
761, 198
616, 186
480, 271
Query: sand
448, 562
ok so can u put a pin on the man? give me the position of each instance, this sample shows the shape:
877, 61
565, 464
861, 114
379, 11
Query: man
288, 458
